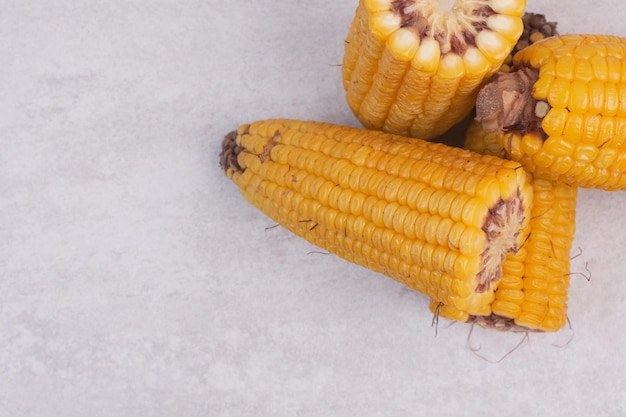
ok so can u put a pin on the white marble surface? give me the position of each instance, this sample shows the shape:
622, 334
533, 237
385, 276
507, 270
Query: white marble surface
135, 280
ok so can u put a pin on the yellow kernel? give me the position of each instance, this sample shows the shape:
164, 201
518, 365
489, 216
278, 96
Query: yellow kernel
512, 280
509, 7
457, 205
579, 97
410, 222
356, 203
472, 241
512, 143
340, 198
565, 67
426, 59
542, 87
337, 169
508, 183
400, 218
505, 308
377, 5
443, 231
562, 165
413, 195
451, 66
493, 45
606, 157
509, 26
531, 144
543, 159
369, 183
586, 153
384, 23
466, 267
454, 236
403, 43
423, 199
343, 199
596, 91
559, 94
474, 212
552, 124
430, 228
445, 204
558, 146
528, 320
388, 214
377, 214
488, 190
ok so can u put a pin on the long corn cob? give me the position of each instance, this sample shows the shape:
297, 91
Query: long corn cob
414, 67
562, 113
532, 294
436, 218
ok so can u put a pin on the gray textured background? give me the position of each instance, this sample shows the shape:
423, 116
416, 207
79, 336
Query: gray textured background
135, 280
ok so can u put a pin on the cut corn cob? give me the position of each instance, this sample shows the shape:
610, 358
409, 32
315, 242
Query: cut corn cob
532, 294
414, 67
436, 218
562, 113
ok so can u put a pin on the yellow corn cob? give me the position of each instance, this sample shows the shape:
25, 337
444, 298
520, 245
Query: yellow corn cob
563, 112
414, 67
436, 218
532, 294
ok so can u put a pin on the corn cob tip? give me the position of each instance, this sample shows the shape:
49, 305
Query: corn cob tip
231, 148
506, 102
228, 156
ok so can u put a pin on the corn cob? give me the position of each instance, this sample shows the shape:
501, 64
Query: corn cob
437, 219
532, 294
562, 113
414, 67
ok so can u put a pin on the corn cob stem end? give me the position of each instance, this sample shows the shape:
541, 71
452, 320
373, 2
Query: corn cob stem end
228, 156
506, 103
500, 323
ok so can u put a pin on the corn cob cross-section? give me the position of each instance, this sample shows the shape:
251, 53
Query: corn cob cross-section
562, 112
414, 67
436, 218
532, 294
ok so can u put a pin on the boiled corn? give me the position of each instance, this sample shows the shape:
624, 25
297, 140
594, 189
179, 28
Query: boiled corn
436, 218
414, 67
